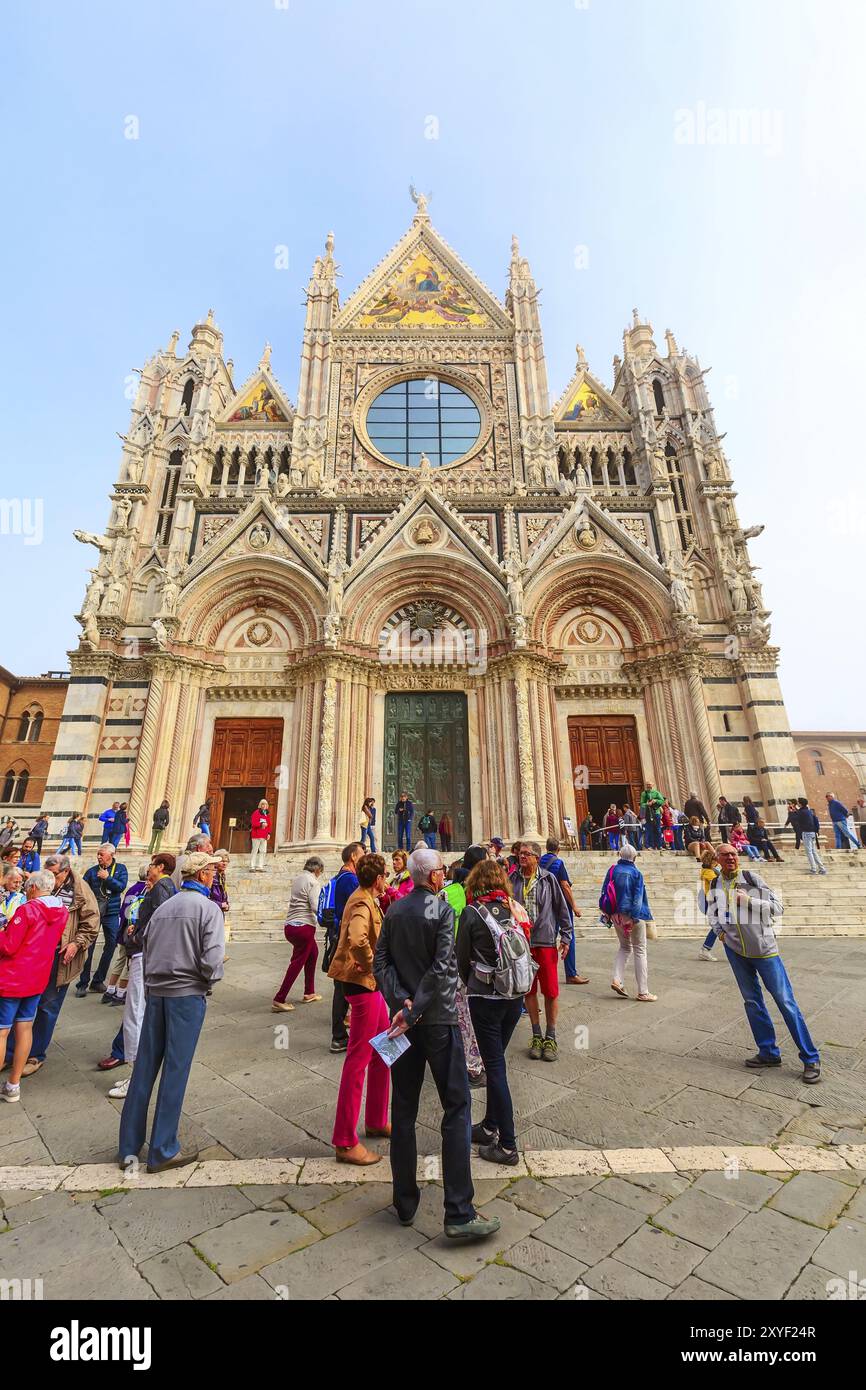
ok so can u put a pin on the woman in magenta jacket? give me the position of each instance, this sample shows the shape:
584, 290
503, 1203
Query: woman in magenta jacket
260, 829
27, 950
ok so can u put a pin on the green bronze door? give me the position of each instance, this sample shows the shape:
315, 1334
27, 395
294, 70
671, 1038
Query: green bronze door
426, 755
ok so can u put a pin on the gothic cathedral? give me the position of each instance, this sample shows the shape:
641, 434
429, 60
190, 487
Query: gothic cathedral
423, 576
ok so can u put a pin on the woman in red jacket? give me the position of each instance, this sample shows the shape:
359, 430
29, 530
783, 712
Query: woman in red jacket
260, 829
27, 950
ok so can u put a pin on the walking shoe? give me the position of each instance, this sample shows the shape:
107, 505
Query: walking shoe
706, 954
10, 1092
477, 1080
117, 1001
278, 1008
119, 1091
108, 997
358, 1155
407, 1220
338, 1046
383, 1133
179, 1161
535, 1049
481, 1135
494, 1153
109, 1063
761, 1059
97, 987
577, 979
549, 1050
476, 1229
80, 991
31, 1065
812, 1073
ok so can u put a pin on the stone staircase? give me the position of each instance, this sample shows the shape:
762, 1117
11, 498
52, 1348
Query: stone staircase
814, 906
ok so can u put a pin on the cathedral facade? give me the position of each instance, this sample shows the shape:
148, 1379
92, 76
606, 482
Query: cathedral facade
422, 576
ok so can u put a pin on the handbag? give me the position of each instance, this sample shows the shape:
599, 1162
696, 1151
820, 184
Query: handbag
652, 931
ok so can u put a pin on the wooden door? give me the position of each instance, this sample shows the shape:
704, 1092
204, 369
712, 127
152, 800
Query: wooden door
607, 747
245, 753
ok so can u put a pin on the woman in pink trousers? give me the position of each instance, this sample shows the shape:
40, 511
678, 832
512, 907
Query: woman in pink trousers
353, 965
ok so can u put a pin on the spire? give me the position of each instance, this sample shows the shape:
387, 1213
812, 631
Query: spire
206, 337
420, 200
673, 350
265, 361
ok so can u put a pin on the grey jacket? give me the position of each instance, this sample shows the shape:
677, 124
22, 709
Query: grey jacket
184, 946
745, 928
551, 909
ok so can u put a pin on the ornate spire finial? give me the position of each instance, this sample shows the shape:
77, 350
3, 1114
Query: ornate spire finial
635, 318
671, 341
173, 341
581, 356
329, 244
515, 248
210, 316
266, 356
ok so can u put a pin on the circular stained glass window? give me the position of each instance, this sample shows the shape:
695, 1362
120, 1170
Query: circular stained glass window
423, 415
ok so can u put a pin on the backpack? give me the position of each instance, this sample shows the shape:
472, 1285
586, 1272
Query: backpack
515, 970
455, 895
325, 906
607, 901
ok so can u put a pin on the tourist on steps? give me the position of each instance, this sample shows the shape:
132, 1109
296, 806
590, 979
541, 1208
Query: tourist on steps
159, 827
808, 826
368, 824
260, 829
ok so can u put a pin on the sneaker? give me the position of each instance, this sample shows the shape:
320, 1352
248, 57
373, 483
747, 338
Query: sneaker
549, 1050
97, 987
476, 1229
80, 991
706, 954
119, 1091
494, 1153
117, 1001
761, 1059
477, 1080
535, 1049
180, 1160
480, 1135
812, 1073
338, 1046
108, 997
10, 1092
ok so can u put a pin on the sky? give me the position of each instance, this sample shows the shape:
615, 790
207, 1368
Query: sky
700, 160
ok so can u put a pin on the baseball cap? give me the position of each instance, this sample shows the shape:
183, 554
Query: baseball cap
194, 863
495, 840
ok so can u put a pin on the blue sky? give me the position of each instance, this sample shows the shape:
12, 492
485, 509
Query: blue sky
263, 124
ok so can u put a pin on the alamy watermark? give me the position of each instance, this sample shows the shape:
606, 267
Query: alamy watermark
728, 125
23, 516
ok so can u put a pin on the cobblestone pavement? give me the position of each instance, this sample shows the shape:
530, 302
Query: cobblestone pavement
631, 1076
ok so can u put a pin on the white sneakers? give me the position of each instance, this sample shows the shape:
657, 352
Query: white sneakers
705, 954
119, 1091
10, 1093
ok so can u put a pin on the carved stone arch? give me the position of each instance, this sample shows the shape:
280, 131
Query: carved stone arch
224, 590
464, 588
634, 598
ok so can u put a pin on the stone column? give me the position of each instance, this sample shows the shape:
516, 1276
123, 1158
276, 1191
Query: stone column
326, 760
528, 807
150, 730
704, 734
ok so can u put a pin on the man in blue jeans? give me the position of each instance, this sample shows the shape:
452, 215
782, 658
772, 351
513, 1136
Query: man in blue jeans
184, 949
839, 817
741, 907
405, 813
107, 880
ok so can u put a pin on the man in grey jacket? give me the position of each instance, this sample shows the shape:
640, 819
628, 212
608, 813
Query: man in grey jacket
184, 948
539, 892
740, 907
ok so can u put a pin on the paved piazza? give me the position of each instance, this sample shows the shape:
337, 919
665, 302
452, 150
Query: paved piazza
628, 1187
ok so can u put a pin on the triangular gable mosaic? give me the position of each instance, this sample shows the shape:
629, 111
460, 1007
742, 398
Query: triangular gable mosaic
258, 405
422, 295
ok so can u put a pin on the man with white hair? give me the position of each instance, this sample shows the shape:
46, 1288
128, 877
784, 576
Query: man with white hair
196, 844
184, 948
416, 970
27, 949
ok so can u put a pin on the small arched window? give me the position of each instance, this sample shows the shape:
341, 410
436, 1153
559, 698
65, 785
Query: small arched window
24, 727
36, 726
15, 786
818, 761
20, 793
186, 398
659, 395
9, 785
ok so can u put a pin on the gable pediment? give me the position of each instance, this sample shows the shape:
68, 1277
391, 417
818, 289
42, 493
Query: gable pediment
425, 526
586, 404
587, 530
260, 531
260, 403
422, 285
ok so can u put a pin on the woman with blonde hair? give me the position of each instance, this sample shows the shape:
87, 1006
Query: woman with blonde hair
401, 880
